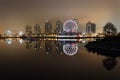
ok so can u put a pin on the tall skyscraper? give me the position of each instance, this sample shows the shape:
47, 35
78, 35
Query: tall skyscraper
59, 27
28, 30
90, 27
37, 29
48, 27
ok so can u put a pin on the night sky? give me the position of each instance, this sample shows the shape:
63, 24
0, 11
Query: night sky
15, 14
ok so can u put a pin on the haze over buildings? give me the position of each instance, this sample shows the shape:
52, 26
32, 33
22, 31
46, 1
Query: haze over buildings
16, 14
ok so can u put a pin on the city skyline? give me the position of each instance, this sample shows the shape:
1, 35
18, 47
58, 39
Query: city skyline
17, 14
55, 26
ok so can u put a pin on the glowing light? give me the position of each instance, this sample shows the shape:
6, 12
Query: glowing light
79, 40
20, 41
84, 41
20, 33
83, 33
9, 41
8, 33
79, 35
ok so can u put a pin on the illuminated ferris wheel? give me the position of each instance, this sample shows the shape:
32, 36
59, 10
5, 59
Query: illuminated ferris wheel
70, 26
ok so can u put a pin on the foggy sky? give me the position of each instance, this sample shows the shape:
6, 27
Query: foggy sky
15, 14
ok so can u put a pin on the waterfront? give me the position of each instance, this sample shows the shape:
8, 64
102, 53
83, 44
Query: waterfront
47, 59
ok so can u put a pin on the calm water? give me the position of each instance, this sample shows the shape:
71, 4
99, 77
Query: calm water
55, 59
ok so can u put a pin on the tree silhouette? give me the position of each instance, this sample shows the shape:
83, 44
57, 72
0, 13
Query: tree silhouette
109, 63
109, 29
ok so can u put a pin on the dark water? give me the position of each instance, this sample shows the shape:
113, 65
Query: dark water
55, 59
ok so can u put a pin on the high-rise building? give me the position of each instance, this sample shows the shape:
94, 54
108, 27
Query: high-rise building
48, 27
37, 29
90, 27
28, 30
59, 27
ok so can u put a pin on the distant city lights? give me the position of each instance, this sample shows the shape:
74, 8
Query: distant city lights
21, 33
9, 33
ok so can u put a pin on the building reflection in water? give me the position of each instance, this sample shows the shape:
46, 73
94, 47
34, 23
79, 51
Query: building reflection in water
48, 47
8, 41
37, 44
33, 43
69, 48
59, 47
28, 44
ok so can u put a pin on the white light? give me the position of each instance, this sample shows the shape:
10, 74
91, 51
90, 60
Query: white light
20, 33
9, 42
80, 40
20, 41
83, 33
9, 32
84, 41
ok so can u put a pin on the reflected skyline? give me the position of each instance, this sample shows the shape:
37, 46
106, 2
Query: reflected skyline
46, 54
66, 46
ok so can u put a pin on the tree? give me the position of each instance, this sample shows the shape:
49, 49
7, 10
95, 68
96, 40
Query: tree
109, 63
109, 29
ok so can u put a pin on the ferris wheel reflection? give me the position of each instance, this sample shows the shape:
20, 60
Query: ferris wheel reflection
70, 49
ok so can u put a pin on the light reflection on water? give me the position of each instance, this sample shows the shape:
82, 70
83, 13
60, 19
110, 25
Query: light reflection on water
67, 46
71, 54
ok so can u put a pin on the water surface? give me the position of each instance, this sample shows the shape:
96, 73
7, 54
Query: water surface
55, 59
